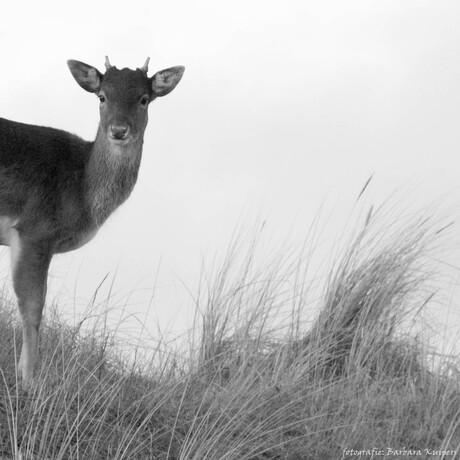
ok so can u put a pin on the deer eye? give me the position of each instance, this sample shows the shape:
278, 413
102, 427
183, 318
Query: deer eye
144, 100
101, 98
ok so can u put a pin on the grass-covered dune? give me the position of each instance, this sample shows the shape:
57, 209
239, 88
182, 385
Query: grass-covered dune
257, 380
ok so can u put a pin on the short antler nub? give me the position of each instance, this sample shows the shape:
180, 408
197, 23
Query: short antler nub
145, 67
107, 63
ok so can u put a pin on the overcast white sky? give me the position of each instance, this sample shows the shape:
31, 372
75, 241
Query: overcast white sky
283, 105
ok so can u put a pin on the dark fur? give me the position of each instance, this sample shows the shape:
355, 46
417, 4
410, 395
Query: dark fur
57, 186
41, 178
56, 189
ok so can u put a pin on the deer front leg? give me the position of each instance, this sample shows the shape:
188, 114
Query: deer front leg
29, 262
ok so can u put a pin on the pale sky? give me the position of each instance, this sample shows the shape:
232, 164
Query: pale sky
283, 106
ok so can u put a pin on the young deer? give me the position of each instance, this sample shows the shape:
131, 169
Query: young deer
56, 189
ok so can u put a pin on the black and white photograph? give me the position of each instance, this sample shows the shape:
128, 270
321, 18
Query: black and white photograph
229, 230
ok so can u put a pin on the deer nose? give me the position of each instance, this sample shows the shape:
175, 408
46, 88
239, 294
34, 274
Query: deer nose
119, 132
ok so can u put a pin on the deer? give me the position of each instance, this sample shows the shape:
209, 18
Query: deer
57, 190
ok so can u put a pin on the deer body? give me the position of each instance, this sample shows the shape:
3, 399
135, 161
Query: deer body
57, 189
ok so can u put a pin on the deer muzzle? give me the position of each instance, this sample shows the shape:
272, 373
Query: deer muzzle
119, 132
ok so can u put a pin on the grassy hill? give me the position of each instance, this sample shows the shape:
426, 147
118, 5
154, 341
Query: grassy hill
257, 381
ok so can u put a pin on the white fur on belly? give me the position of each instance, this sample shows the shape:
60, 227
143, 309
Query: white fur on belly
6, 229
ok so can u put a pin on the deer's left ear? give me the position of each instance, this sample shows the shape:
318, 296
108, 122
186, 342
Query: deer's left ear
165, 81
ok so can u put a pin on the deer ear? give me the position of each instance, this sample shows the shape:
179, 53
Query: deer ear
88, 77
165, 81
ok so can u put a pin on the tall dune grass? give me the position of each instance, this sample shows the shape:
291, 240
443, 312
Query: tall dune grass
260, 379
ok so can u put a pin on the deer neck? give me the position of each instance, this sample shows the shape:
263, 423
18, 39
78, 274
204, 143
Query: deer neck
110, 175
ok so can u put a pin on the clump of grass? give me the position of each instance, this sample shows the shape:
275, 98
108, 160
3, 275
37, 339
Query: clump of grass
259, 379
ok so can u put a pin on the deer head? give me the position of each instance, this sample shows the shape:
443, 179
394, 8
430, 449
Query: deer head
124, 96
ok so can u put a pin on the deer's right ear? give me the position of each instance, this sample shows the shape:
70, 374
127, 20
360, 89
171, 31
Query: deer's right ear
88, 77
